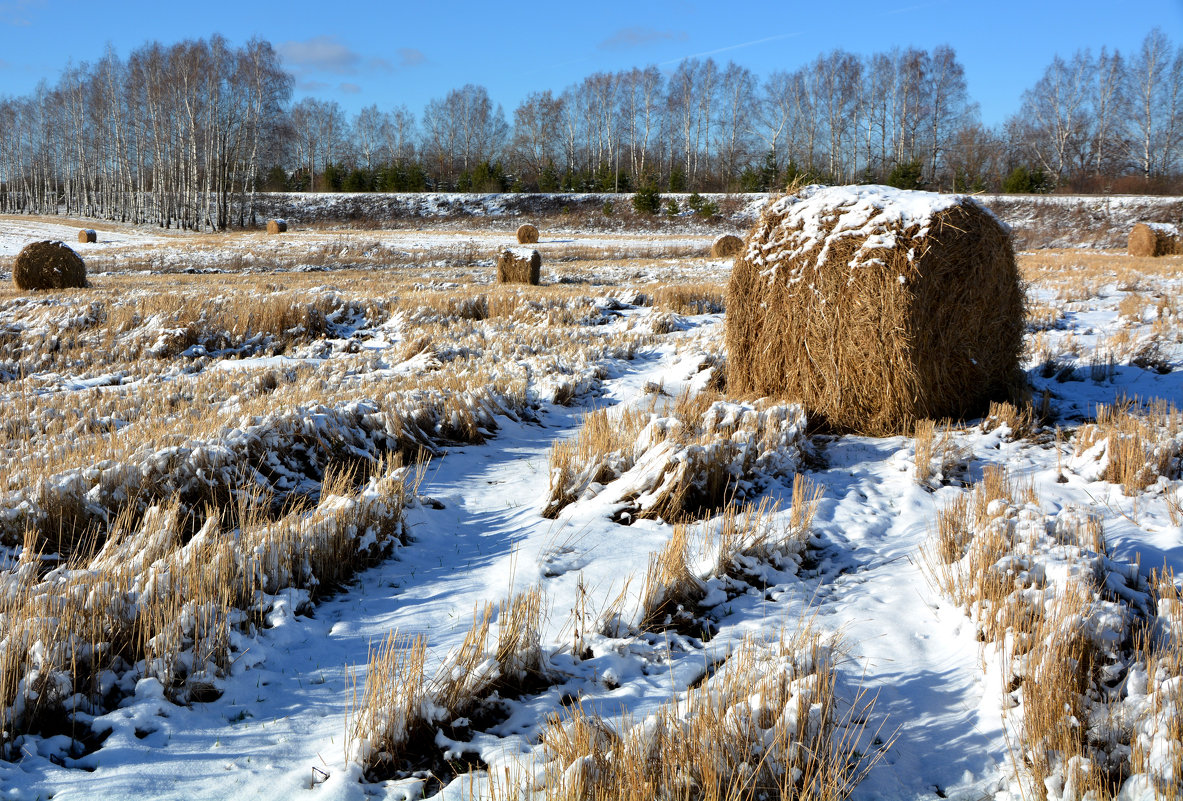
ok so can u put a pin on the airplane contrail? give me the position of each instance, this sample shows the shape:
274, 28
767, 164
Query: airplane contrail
733, 47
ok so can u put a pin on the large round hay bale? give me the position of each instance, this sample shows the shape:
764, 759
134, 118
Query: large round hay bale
726, 246
876, 307
1155, 239
277, 226
48, 265
527, 234
88, 235
519, 266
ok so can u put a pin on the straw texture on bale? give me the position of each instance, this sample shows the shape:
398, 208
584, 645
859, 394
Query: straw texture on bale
88, 235
519, 266
48, 265
876, 307
277, 226
527, 234
1155, 239
726, 246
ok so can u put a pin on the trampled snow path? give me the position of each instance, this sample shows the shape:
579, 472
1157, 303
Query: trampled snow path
919, 653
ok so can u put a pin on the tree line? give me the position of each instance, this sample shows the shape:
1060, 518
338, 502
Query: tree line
173, 135
186, 134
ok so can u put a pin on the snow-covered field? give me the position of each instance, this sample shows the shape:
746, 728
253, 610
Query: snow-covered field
332, 515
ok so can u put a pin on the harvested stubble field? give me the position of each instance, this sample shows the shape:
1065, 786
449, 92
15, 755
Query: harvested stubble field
334, 514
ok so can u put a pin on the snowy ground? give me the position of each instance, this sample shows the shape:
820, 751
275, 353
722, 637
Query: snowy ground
280, 726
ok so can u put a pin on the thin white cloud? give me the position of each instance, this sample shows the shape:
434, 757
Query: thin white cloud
410, 57
637, 36
16, 12
349, 88
328, 55
321, 53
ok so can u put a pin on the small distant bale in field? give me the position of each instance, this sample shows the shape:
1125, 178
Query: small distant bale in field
726, 246
277, 226
88, 235
519, 266
48, 265
527, 234
1155, 239
876, 307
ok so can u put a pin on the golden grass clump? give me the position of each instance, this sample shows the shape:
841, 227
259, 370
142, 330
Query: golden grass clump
87, 235
527, 234
48, 265
726, 246
277, 226
519, 266
1155, 239
701, 454
1135, 442
769, 724
1058, 613
875, 308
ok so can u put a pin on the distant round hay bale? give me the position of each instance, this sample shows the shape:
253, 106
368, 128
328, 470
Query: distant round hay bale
277, 226
726, 246
1155, 239
48, 265
88, 235
527, 234
519, 266
876, 307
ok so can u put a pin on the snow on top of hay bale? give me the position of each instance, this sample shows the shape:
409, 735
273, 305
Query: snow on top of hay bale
1165, 228
874, 214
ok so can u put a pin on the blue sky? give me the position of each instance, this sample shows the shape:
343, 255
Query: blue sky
393, 53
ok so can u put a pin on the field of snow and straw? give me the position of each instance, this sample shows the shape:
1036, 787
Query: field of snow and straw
332, 515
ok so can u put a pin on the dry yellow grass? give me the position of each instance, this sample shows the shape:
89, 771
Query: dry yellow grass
697, 454
1078, 274
766, 725
402, 704
1142, 442
159, 590
1059, 614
